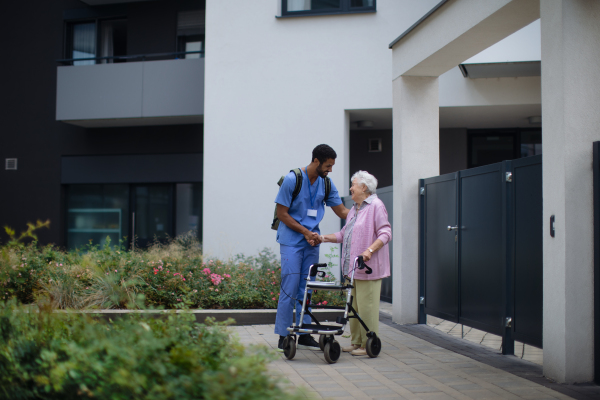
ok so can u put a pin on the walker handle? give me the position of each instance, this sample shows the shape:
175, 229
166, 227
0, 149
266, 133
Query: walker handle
362, 265
315, 268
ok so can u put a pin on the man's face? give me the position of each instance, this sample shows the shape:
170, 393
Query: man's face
325, 168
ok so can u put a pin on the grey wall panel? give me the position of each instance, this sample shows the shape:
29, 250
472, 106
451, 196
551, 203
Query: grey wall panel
130, 90
147, 168
173, 87
99, 91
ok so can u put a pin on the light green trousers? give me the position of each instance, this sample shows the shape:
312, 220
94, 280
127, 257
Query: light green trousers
366, 302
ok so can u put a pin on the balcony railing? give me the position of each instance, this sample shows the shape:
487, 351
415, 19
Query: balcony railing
136, 57
160, 89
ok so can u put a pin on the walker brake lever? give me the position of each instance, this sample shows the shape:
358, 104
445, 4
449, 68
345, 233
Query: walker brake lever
362, 265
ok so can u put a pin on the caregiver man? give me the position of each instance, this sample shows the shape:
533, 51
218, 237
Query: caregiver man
299, 229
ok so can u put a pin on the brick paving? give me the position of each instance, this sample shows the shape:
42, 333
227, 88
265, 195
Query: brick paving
416, 362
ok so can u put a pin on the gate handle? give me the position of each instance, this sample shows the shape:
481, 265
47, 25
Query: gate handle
452, 228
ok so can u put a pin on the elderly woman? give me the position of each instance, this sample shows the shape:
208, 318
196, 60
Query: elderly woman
367, 233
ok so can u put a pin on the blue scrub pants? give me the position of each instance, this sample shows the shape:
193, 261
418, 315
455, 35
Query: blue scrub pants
295, 263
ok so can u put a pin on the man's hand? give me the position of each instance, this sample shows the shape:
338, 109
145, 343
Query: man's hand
312, 238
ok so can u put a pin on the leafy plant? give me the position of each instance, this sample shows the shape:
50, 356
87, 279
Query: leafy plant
173, 275
28, 233
46, 355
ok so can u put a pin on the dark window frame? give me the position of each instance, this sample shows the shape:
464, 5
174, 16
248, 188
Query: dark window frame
515, 133
128, 222
68, 33
344, 8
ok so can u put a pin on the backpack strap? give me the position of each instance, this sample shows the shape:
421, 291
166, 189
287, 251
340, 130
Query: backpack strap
298, 187
327, 188
296, 192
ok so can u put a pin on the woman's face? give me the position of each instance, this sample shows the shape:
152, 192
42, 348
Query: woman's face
358, 190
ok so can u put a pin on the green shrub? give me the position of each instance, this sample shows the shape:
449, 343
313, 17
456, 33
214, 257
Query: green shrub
172, 275
46, 355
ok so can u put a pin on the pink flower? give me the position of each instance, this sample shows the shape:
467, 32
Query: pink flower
271, 292
273, 298
227, 276
206, 271
195, 291
216, 290
251, 269
115, 270
324, 303
184, 279
61, 265
273, 283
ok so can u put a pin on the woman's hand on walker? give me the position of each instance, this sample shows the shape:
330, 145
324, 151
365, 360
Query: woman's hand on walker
366, 255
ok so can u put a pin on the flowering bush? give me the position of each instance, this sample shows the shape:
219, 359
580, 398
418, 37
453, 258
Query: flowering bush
175, 275
45, 355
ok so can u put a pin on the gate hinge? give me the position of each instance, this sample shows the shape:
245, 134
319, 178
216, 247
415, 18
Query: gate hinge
422, 300
422, 191
509, 177
508, 322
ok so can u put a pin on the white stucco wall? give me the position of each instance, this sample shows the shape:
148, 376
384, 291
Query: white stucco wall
275, 88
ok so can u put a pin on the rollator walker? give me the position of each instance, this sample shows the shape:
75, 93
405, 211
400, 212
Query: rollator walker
330, 347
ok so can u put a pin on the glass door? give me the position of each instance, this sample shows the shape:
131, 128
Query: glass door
152, 213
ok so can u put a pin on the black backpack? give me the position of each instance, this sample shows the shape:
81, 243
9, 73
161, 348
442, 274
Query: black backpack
297, 188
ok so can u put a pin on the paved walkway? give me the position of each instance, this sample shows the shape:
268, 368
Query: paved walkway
416, 362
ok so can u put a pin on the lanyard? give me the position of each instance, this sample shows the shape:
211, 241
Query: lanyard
312, 198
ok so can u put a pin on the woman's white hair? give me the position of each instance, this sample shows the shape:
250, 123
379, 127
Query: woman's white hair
367, 179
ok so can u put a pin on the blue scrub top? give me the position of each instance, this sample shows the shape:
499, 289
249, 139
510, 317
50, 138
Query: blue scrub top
302, 203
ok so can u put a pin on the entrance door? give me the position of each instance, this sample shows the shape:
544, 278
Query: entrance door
441, 237
152, 213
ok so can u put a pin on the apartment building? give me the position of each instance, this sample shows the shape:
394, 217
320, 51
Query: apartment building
105, 130
103, 106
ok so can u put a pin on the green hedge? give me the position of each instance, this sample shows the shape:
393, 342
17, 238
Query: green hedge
175, 275
49, 355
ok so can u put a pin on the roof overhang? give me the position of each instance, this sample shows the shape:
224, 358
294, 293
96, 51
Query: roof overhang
456, 30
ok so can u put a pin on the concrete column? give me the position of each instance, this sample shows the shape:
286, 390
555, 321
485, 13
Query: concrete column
571, 122
416, 155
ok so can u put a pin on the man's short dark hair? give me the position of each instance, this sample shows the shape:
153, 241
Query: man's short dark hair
323, 153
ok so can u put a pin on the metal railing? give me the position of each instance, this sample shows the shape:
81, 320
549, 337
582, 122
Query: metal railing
137, 57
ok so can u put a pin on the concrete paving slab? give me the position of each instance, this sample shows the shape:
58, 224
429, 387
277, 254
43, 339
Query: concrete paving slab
416, 362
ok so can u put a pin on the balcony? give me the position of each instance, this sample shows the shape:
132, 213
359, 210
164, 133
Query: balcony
162, 92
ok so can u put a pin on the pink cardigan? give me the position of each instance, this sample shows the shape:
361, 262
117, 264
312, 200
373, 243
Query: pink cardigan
371, 224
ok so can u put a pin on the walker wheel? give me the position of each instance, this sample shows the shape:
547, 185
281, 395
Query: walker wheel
322, 340
332, 351
373, 346
289, 347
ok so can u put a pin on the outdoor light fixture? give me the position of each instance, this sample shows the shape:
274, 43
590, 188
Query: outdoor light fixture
535, 120
10, 164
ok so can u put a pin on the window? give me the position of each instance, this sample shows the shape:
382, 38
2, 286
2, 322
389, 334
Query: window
491, 146
97, 38
190, 34
312, 7
151, 212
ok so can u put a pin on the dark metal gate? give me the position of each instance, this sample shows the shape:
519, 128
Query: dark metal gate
480, 257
